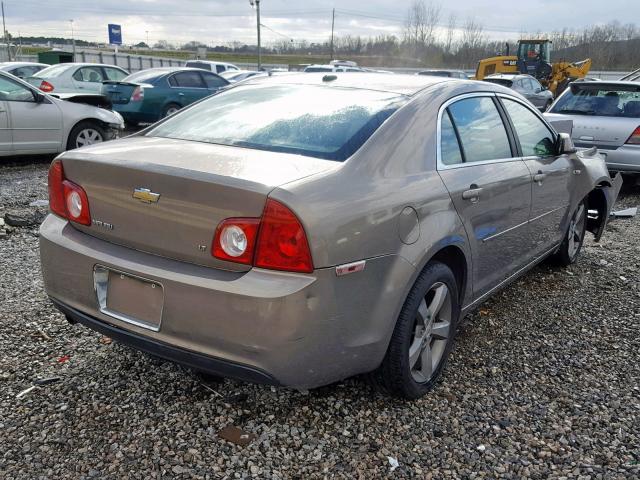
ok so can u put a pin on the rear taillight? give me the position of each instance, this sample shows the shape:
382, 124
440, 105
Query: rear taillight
67, 199
634, 139
137, 95
277, 241
46, 86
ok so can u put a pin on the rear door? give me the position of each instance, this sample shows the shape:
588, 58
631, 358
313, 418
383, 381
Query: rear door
213, 82
551, 175
489, 184
189, 86
88, 79
35, 126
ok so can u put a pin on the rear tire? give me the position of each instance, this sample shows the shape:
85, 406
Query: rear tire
571, 245
170, 109
86, 133
423, 336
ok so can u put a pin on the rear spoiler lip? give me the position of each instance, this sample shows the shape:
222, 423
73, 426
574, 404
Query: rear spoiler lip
131, 84
603, 85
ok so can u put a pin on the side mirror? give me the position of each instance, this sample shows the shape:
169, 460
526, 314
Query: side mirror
538, 89
39, 97
565, 144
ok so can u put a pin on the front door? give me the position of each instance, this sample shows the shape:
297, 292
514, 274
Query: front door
6, 144
551, 175
189, 86
35, 126
490, 187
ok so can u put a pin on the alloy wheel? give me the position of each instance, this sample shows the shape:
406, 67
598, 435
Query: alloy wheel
431, 332
576, 232
88, 136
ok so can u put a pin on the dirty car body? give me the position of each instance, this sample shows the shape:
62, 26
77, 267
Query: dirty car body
361, 167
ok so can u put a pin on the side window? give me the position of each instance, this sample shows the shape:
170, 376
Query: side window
114, 74
535, 84
480, 128
450, 153
88, 74
188, 80
14, 92
220, 68
536, 140
213, 81
24, 72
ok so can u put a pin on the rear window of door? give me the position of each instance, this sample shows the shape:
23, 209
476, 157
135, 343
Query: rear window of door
480, 129
536, 140
220, 68
187, 80
88, 74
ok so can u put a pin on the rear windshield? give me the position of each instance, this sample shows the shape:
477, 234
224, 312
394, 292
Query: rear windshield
500, 81
436, 73
144, 76
200, 65
606, 101
313, 120
53, 71
318, 69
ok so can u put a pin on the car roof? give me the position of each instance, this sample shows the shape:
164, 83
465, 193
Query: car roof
210, 62
400, 84
509, 76
166, 70
23, 64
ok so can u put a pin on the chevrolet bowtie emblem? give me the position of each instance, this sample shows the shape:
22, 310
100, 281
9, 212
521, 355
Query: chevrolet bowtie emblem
145, 195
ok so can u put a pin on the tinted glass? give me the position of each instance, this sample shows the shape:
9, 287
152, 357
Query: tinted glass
481, 130
14, 92
500, 81
220, 68
24, 72
449, 146
202, 65
535, 138
213, 81
607, 101
318, 121
188, 80
318, 69
114, 74
535, 84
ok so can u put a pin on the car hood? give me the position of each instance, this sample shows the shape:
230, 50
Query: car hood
72, 106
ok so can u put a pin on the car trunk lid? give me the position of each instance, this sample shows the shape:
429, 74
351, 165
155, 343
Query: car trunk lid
600, 131
120, 92
166, 197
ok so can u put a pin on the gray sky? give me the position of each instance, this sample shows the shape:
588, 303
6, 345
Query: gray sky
222, 21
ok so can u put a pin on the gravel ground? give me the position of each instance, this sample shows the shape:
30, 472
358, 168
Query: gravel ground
543, 383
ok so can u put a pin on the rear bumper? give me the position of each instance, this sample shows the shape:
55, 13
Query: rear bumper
132, 113
625, 159
296, 330
215, 366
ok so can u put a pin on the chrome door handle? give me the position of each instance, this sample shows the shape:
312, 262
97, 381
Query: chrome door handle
539, 177
472, 194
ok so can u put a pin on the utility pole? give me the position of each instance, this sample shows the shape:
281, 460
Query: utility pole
4, 34
257, 4
333, 23
147, 32
73, 40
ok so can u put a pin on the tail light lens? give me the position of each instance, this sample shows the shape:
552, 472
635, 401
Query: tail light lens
634, 139
282, 242
46, 86
137, 95
235, 240
276, 241
67, 199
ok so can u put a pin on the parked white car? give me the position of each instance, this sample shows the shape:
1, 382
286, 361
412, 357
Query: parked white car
32, 122
215, 67
76, 77
22, 69
235, 76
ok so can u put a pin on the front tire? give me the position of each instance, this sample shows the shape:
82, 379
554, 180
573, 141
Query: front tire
423, 336
570, 248
86, 133
170, 109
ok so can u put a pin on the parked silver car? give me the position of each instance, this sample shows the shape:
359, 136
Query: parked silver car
22, 69
76, 77
301, 229
32, 122
605, 115
527, 86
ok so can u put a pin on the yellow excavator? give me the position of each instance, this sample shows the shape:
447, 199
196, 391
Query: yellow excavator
534, 58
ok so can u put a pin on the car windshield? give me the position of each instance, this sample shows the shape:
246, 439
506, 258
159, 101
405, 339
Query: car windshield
600, 100
144, 76
500, 81
318, 121
53, 71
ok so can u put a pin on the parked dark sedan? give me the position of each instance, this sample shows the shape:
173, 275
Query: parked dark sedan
149, 95
527, 86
